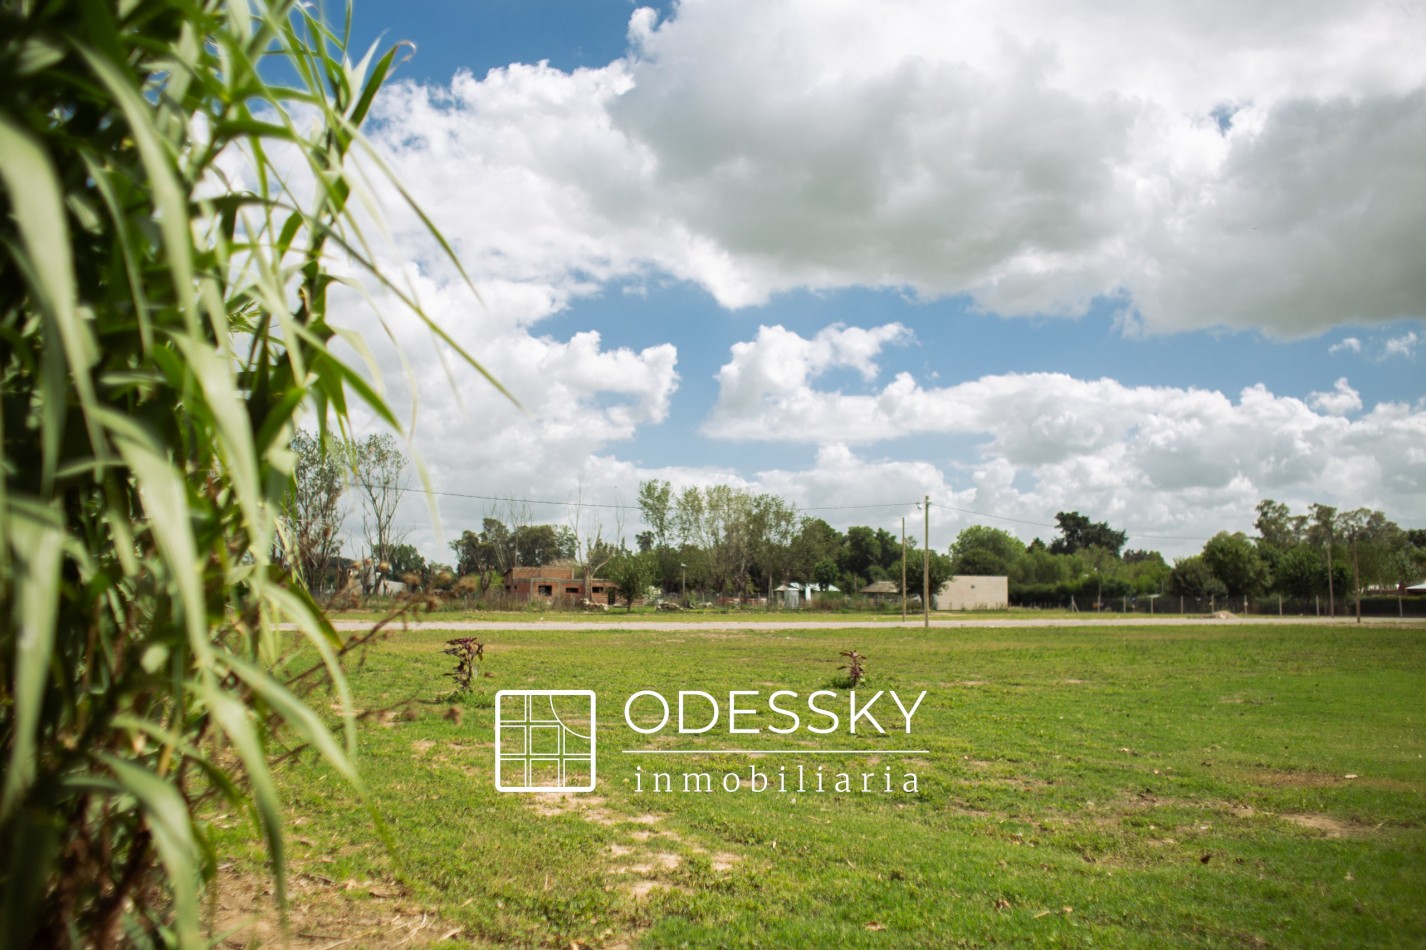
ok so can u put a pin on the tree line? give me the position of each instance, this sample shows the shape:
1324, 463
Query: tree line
1323, 554
733, 542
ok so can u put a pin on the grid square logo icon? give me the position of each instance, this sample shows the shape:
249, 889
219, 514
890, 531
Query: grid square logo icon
544, 740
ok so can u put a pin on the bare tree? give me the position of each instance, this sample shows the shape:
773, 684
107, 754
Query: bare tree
310, 511
379, 470
592, 552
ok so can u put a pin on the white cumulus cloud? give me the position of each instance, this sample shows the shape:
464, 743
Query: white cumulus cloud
1340, 401
1404, 345
1166, 458
1209, 164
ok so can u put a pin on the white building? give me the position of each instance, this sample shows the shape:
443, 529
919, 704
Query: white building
974, 592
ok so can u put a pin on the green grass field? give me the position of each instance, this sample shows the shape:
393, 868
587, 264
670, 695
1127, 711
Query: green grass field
1126, 786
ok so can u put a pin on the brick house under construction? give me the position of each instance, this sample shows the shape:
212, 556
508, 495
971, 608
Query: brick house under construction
556, 580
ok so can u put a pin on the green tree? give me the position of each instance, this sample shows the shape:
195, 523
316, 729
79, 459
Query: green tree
1324, 531
940, 571
1301, 573
1373, 543
656, 506
890, 547
1101, 574
736, 530
407, 562
497, 547
536, 545
163, 331
1077, 531
815, 542
862, 552
1191, 577
485, 554
1278, 527
632, 572
1040, 567
1145, 572
983, 550
1235, 562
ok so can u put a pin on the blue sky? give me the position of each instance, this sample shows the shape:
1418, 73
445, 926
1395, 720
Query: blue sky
483, 34
1008, 255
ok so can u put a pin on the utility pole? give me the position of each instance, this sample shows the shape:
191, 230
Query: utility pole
903, 569
926, 566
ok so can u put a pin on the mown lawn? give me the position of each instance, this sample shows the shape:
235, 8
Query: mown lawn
1125, 786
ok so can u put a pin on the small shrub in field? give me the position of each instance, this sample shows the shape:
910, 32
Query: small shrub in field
854, 668
468, 652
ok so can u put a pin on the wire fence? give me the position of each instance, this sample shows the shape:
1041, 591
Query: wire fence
1272, 605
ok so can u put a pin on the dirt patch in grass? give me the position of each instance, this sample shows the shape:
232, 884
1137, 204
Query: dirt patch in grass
1298, 779
723, 861
642, 860
1330, 827
1326, 825
658, 861
1295, 779
321, 913
963, 808
588, 807
641, 889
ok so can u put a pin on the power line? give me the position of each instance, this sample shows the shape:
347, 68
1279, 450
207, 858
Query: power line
903, 504
621, 507
981, 514
519, 501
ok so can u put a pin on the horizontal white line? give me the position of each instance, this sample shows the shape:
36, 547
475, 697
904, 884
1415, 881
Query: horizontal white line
776, 751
